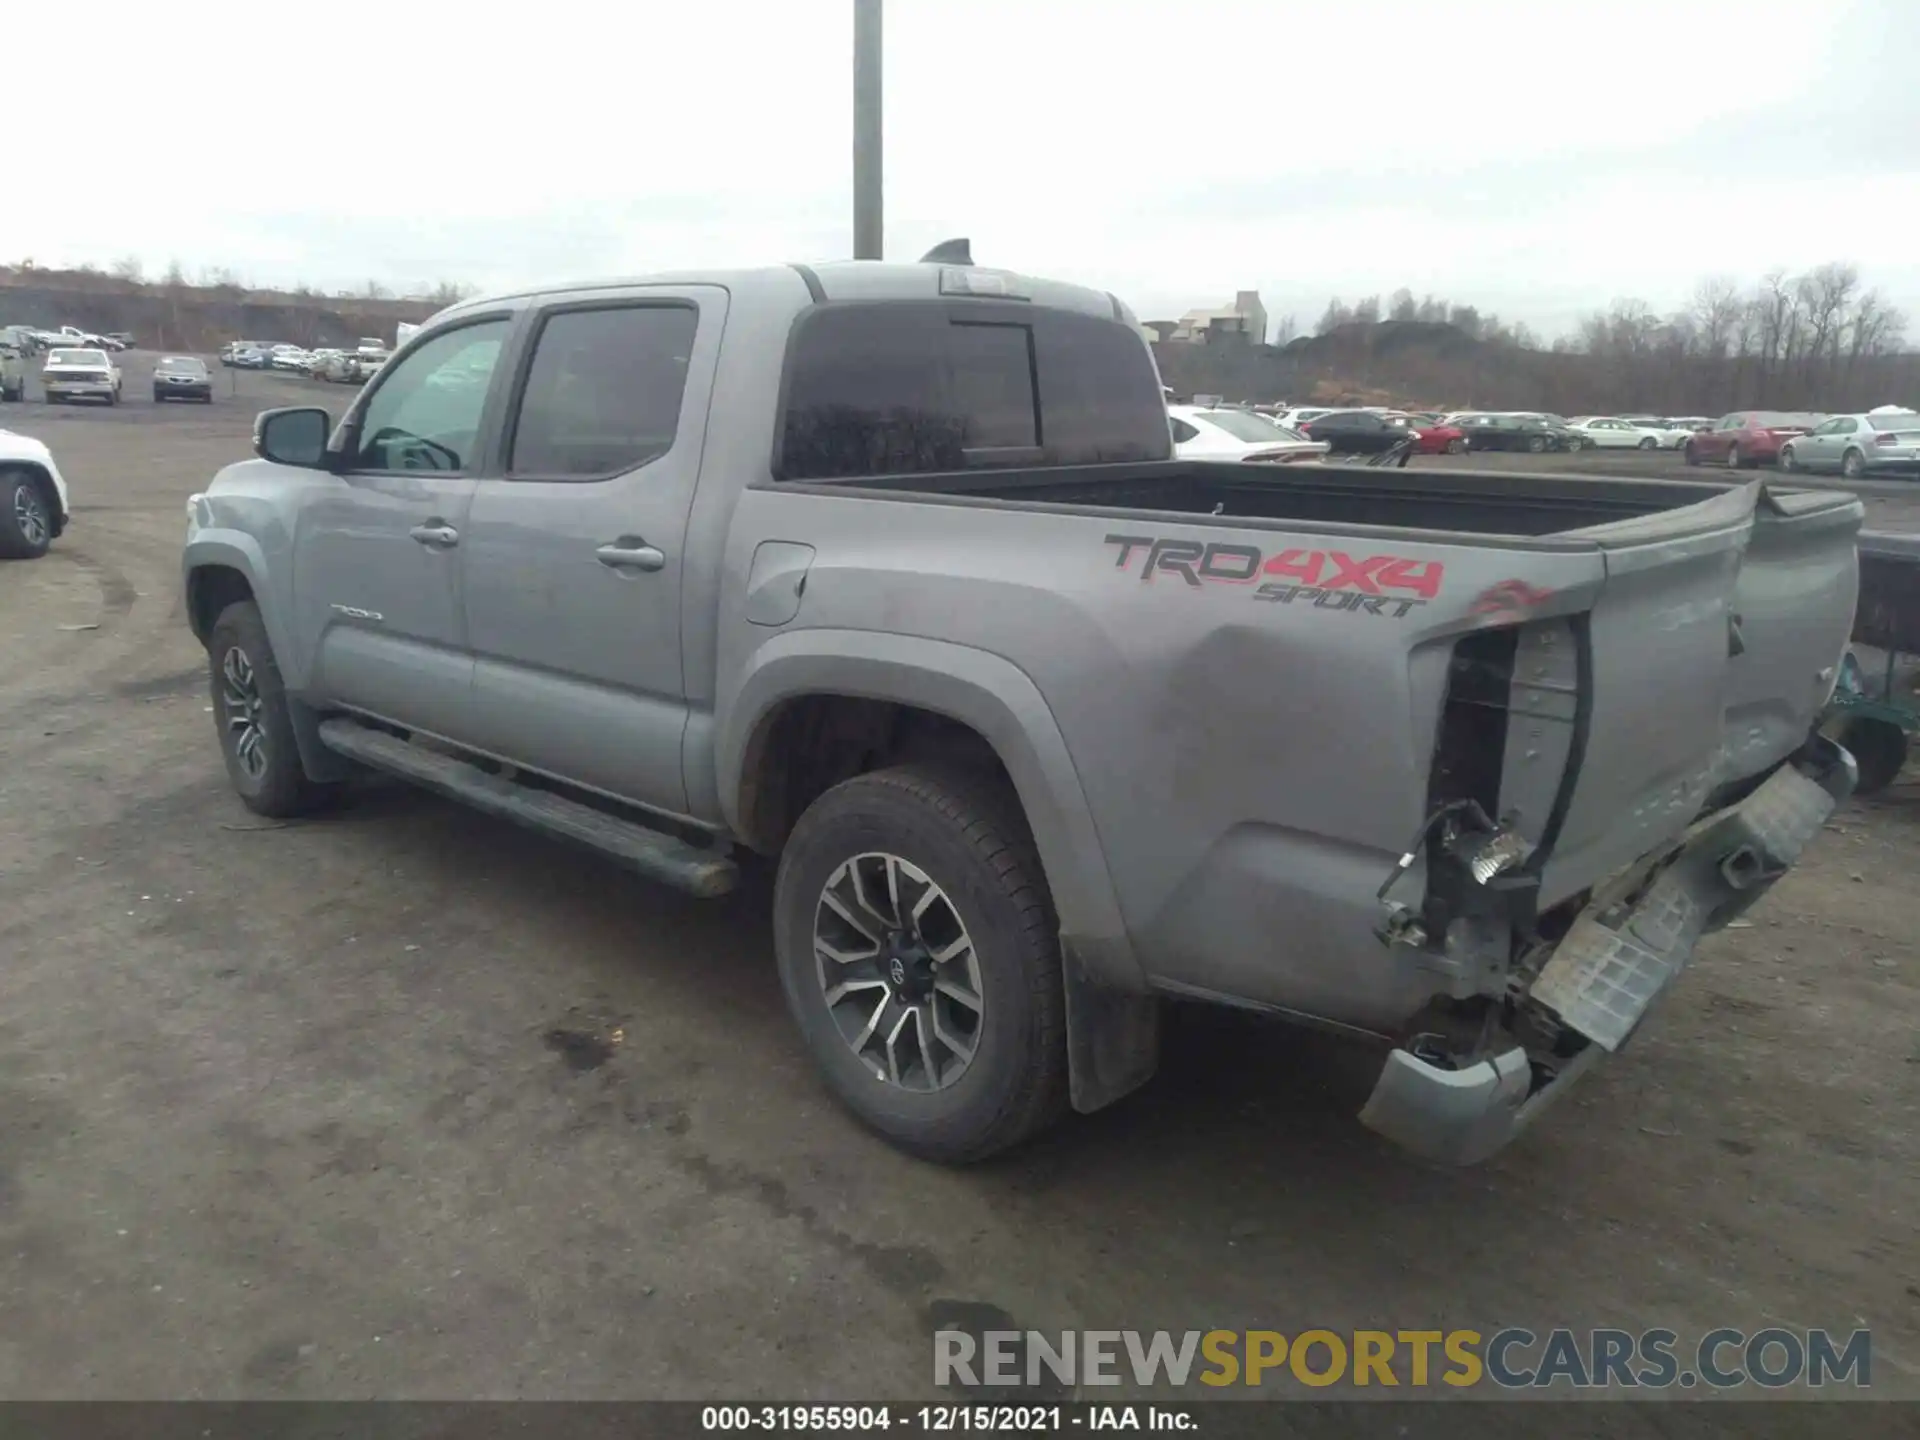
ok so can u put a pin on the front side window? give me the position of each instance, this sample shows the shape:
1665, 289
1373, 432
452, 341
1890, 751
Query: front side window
1182, 431
918, 387
603, 393
425, 415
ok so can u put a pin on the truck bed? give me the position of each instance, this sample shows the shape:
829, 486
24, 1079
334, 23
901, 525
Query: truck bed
1456, 502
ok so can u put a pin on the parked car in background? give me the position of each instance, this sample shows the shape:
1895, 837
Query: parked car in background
317, 361
1293, 419
1200, 433
1488, 430
1666, 434
1358, 432
1882, 441
249, 357
288, 357
338, 367
1690, 423
1604, 432
1565, 436
1747, 438
33, 498
1433, 436
120, 339
80, 374
13, 371
182, 377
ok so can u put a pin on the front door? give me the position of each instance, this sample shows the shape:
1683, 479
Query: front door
576, 553
376, 565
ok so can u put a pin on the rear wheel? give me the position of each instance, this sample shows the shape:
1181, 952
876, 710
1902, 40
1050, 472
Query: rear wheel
255, 722
1789, 462
920, 958
1879, 748
1649, 443
1456, 446
1536, 444
1735, 461
1853, 464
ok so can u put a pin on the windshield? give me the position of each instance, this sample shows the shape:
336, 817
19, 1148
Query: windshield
76, 357
1895, 420
1244, 426
185, 363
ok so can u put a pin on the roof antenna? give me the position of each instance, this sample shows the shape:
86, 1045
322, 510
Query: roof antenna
949, 252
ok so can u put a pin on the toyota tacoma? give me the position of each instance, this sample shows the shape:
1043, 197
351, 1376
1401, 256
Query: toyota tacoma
889, 571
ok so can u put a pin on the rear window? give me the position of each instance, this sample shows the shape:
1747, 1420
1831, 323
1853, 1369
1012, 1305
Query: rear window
918, 387
1784, 420
76, 357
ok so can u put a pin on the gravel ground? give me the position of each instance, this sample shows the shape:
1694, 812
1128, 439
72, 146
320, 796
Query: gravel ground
406, 1102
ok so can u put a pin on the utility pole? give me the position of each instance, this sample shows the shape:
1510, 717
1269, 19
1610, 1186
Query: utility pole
866, 130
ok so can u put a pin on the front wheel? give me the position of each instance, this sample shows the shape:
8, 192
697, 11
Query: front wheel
1649, 443
1789, 462
1735, 461
1691, 455
920, 958
1536, 444
256, 726
1456, 447
26, 519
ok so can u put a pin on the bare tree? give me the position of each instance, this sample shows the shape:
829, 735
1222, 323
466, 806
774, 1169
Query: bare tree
1333, 317
1402, 306
1286, 330
1367, 312
129, 268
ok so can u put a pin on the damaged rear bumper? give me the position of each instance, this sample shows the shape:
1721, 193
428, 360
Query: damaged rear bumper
1618, 956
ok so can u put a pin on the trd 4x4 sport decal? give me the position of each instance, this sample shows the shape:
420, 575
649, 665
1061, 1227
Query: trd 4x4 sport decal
1390, 585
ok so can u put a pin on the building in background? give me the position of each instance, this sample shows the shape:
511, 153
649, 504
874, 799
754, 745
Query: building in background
1244, 322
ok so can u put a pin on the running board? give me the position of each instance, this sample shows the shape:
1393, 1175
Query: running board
652, 853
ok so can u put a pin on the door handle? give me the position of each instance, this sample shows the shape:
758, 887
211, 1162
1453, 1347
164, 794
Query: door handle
628, 553
438, 535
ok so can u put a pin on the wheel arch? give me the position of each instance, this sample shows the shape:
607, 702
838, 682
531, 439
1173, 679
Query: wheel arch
967, 703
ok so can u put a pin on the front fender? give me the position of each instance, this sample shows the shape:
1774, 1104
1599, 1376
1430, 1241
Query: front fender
971, 686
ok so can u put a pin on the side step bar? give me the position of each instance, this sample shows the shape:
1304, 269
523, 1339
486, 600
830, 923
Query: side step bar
658, 856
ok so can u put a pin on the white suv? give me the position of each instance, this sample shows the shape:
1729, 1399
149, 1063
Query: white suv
33, 497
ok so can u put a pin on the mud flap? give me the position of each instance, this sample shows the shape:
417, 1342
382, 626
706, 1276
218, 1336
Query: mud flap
1113, 1035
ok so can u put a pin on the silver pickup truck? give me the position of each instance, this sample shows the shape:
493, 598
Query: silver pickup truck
887, 570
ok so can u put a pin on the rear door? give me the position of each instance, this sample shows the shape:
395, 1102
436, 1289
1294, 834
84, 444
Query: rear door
575, 552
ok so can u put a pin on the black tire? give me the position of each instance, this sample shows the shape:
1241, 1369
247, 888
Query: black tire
282, 788
1853, 465
158, 398
1735, 460
1536, 444
1691, 455
1456, 446
1879, 748
1789, 462
52, 399
966, 833
20, 492
1649, 443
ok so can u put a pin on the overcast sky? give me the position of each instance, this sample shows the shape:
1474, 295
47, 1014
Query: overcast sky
1537, 159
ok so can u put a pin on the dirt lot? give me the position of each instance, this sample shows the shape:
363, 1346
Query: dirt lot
405, 1102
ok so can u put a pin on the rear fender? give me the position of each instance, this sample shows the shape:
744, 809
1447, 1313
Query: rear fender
1112, 1026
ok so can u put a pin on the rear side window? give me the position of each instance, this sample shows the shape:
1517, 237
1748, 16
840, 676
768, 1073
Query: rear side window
919, 387
603, 392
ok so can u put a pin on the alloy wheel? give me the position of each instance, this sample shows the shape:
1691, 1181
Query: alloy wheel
244, 718
898, 972
30, 516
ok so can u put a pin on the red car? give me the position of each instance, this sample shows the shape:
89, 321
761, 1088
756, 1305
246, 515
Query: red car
1747, 438
1439, 439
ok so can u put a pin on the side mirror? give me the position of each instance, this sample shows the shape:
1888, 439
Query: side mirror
293, 436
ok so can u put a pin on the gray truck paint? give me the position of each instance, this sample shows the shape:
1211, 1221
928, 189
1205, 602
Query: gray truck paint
1218, 780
